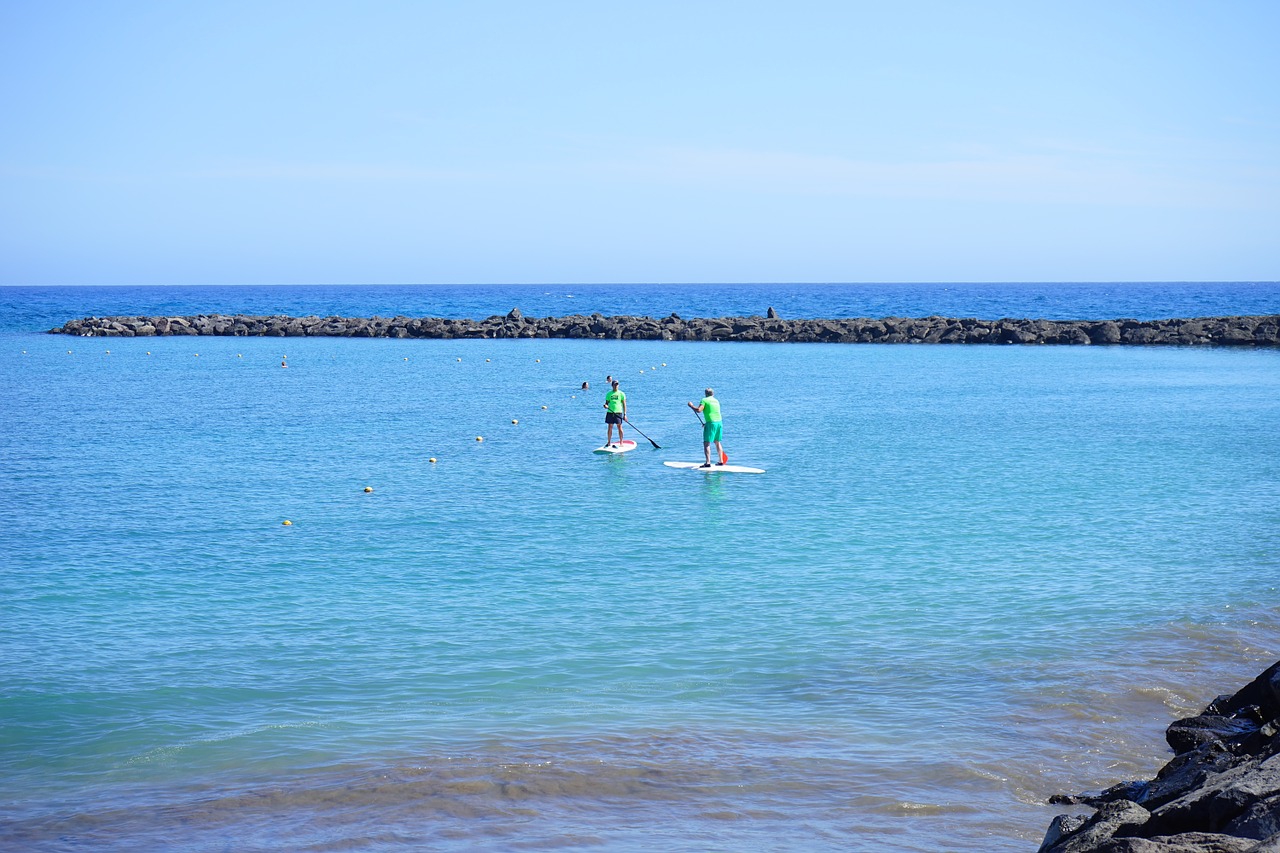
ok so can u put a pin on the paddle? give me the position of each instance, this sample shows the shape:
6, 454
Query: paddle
637, 429
724, 457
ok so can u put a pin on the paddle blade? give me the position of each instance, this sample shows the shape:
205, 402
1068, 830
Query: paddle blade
724, 458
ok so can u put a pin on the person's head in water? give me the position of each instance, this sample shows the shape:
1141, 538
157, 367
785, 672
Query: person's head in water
586, 386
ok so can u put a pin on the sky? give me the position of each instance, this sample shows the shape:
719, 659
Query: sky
485, 141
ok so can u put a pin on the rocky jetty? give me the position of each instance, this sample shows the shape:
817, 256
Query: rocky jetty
1219, 794
1261, 331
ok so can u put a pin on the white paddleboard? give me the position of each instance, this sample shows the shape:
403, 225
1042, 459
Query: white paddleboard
714, 469
620, 447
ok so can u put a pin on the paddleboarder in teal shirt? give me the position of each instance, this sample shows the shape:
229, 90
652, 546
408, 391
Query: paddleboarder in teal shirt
711, 431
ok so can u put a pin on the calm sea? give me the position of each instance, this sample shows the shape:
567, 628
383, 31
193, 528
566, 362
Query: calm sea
973, 576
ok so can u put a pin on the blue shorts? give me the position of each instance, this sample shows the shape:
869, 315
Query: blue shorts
613, 417
711, 432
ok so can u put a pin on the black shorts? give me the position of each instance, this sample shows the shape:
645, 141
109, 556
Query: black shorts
613, 417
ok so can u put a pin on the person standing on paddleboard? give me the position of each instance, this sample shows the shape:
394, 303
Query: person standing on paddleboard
615, 412
711, 432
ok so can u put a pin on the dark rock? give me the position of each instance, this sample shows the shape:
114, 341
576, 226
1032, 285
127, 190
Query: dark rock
1219, 794
1074, 335
1104, 333
1271, 845
1135, 791
1263, 692
1260, 820
1188, 842
1120, 817
1188, 771
1062, 826
1187, 734
1222, 800
1238, 334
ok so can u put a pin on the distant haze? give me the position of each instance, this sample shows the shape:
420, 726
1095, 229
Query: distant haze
425, 142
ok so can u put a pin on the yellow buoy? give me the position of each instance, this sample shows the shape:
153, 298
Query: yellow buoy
459, 359
108, 352
238, 355
538, 360
148, 352
664, 364
287, 523
368, 489
544, 408
479, 438
68, 352
432, 460
406, 358
514, 421
486, 361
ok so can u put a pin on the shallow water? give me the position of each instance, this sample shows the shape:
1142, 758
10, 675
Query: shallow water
971, 578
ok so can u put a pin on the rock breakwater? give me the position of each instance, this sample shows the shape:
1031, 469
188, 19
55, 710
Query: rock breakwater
1259, 331
1219, 794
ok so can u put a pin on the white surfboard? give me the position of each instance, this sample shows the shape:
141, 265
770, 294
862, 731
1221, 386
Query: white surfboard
619, 447
715, 469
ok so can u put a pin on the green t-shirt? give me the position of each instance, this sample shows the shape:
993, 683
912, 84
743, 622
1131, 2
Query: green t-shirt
614, 400
711, 408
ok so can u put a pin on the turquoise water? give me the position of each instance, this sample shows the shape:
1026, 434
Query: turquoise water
971, 578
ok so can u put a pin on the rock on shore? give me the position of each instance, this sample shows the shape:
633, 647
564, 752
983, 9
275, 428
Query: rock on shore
1261, 331
1219, 794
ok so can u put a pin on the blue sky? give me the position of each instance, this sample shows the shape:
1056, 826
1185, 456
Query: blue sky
573, 142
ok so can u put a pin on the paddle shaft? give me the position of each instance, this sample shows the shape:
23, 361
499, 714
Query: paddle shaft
637, 429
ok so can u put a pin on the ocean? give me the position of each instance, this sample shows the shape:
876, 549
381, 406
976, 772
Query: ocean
972, 576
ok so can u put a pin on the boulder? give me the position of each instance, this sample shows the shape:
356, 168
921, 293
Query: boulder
1219, 794
1122, 817
1188, 842
1187, 734
1220, 801
1260, 820
1107, 332
1263, 693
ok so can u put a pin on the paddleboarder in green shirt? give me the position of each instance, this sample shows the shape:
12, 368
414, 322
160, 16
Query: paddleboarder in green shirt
615, 412
711, 431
